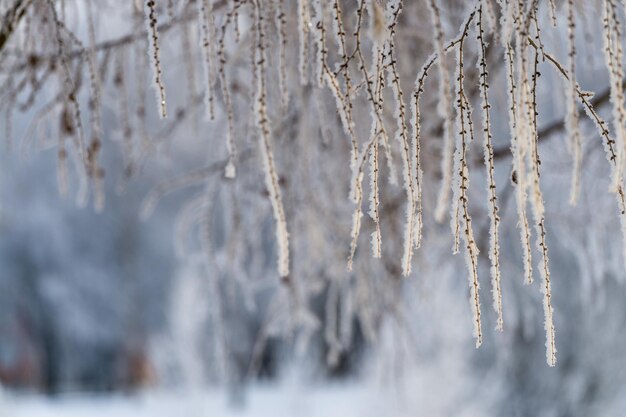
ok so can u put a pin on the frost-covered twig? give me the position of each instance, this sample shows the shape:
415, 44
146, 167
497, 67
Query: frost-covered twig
461, 184
540, 223
154, 53
263, 124
415, 124
494, 240
402, 135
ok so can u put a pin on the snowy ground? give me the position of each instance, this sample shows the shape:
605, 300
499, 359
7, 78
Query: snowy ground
285, 400
344, 401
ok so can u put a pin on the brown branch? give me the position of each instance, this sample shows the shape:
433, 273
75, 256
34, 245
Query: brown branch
559, 125
111, 44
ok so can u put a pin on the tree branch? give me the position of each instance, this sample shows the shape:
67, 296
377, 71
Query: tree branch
111, 44
559, 125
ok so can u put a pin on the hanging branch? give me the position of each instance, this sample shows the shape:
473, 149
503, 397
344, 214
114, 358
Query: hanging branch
346, 114
263, 124
611, 146
356, 188
461, 185
494, 240
402, 135
415, 123
155, 56
230, 170
540, 226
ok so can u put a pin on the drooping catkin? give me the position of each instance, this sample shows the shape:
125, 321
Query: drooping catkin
154, 54
494, 218
263, 125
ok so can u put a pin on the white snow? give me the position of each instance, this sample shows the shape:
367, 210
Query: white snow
343, 400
